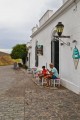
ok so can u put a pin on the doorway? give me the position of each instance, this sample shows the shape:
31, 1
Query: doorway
55, 53
36, 57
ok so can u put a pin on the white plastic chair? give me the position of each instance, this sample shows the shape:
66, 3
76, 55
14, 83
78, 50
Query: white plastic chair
43, 81
55, 82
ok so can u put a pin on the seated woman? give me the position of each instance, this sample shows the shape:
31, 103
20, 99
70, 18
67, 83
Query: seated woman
43, 73
53, 74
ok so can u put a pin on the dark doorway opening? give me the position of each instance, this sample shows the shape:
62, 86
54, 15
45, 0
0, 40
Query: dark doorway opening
55, 54
29, 60
36, 57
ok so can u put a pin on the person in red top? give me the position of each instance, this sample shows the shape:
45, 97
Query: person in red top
43, 73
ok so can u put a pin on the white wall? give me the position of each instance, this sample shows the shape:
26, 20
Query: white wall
65, 1
67, 71
71, 20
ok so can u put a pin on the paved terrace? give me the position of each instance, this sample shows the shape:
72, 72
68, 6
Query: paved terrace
22, 99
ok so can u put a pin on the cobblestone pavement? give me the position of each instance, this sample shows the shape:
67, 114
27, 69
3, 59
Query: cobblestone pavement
22, 99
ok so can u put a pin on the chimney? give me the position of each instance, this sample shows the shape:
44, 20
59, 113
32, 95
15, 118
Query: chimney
34, 28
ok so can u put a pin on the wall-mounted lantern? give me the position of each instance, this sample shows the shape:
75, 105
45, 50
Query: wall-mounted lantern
76, 56
39, 49
59, 30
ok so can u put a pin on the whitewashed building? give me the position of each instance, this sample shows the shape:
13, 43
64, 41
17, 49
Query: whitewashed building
60, 52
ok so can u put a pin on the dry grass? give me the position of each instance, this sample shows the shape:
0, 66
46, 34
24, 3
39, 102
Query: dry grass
6, 60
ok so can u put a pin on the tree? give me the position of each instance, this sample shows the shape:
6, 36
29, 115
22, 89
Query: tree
20, 51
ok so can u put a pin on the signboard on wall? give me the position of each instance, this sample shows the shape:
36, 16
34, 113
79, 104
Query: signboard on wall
39, 49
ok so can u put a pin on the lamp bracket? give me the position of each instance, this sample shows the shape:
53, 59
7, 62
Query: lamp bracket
61, 36
57, 38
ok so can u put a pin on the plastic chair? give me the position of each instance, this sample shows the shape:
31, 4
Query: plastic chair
43, 81
56, 82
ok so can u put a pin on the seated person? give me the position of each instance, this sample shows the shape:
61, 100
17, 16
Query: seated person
53, 74
43, 73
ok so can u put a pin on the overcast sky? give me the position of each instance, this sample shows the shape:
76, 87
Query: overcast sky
17, 17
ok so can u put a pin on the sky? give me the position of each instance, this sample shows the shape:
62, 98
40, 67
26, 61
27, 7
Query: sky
18, 17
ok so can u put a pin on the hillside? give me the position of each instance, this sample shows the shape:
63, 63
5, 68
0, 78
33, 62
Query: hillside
3, 53
5, 59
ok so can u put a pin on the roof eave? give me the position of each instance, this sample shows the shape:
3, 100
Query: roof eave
58, 12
